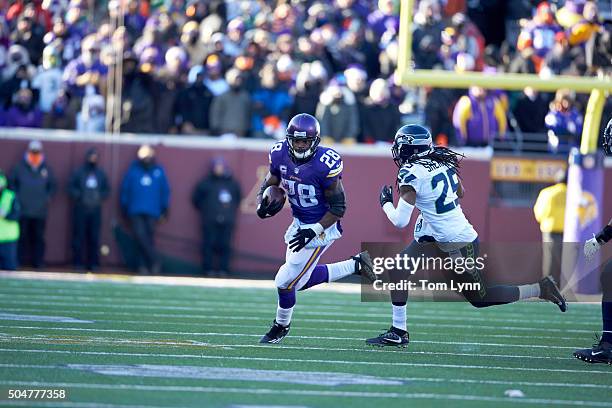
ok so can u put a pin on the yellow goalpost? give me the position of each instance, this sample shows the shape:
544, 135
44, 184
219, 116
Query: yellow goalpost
598, 87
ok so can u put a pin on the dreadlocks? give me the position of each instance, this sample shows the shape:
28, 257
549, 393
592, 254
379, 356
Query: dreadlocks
441, 155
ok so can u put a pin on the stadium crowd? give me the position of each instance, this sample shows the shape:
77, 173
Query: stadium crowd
244, 67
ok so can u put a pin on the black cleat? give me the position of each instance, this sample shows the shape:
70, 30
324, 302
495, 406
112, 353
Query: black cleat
364, 266
549, 291
392, 337
600, 353
276, 334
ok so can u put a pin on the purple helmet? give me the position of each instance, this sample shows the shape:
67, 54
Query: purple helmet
303, 127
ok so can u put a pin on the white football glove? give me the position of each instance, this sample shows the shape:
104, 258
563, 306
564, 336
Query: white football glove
590, 247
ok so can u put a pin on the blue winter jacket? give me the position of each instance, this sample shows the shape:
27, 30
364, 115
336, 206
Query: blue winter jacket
145, 191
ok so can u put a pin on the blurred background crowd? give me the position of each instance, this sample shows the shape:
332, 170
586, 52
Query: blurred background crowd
244, 67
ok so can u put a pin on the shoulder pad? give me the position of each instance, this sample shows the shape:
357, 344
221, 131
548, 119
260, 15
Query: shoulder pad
330, 162
276, 150
406, 175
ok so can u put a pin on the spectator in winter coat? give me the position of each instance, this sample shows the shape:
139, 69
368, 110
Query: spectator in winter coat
530, 110
478, 118
88, 188
271, 106
145, 198
381, 118
24, 113
193, 107
338, 114
230, 112
34, 183
563, 121
217, 198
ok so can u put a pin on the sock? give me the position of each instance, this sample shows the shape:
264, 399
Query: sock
339, 270
283, 316
319, 275
286, 298
399, 317
606, 315
529, 291
286, 301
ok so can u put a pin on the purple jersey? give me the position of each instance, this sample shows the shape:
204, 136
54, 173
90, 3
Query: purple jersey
306, 183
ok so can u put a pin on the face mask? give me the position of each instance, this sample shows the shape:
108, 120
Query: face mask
34, 159
146, 163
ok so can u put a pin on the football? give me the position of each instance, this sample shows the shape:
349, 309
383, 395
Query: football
275, 194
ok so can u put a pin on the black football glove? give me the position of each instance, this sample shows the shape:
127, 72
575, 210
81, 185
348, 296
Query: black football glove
301, 239
262, 209
266, 210
386, 195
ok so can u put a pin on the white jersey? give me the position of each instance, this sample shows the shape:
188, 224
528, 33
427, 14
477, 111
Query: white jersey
436, 198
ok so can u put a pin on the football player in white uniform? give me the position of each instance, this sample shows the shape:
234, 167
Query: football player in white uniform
428, 179
601, 352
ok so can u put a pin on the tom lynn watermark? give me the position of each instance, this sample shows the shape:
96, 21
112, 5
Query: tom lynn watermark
411, 264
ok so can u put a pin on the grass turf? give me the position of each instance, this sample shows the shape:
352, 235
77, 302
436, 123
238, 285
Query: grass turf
458, 356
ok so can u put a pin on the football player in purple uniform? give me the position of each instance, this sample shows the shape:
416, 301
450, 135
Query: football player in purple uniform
312, 177
601, 352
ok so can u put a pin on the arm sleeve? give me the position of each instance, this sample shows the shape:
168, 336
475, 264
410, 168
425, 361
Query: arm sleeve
400, 216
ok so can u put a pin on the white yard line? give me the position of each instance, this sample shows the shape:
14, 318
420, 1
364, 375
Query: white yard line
266, 319
317, 393
409, 379
362, 331
243, 310
296, 360
334, 287
454, 343
69, 404
585, 310
106, 341
361, 307
170, 281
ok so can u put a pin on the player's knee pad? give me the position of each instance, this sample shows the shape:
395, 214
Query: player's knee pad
606, 281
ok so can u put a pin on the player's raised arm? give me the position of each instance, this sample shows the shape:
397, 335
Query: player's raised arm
593, 244
400, 215
336, 199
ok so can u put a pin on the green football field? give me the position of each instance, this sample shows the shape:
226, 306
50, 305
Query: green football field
113, 344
